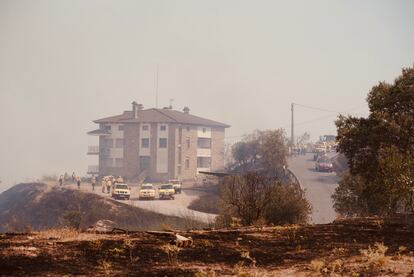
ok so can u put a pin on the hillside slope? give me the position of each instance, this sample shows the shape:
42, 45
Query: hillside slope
41, 206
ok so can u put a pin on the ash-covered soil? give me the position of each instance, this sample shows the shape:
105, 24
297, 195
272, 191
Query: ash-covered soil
357, 247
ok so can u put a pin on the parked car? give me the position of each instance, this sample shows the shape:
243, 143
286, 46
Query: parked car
323, 164
176, 185
166, 191
121, 191
147, 191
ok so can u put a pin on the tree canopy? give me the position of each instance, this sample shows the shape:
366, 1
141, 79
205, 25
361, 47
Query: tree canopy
380, 152
264, 151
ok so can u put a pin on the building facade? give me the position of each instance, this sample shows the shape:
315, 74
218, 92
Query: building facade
157, 144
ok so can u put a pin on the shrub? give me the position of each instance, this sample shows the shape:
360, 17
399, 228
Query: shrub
375, 257
254, 198
72, 219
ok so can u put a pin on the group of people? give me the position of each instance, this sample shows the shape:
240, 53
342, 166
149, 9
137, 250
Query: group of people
65, 177
108, 181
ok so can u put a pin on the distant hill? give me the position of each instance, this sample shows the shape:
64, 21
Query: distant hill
39, 206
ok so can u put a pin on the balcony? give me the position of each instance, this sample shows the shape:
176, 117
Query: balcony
202, 152
93, 150
93, 169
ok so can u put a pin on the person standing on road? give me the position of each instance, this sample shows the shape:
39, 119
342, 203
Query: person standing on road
73, 176
60, 180
103, 184
93, 182
78, 181
108, 186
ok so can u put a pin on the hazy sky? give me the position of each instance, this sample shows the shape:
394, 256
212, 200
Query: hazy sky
66, 63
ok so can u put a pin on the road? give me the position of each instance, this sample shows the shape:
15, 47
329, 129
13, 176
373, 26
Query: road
177, 207
318, 186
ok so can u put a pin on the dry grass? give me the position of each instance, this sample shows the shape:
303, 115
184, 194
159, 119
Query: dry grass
130, 245
374, 257
317, 265
106, 267
59, 234
172, 252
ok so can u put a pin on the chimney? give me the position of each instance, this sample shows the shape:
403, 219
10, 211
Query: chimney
135, 109
186, 110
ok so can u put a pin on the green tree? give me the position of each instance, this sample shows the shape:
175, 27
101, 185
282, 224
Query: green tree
262, 150
380, 151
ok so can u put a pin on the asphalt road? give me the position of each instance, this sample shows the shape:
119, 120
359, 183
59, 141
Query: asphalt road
318, 186
177, 207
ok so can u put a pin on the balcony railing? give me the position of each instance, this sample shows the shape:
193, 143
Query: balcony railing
93, 150
93, 169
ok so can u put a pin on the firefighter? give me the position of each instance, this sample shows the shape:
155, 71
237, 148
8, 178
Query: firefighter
119, 179
108, 185
78, 181
60, 180
93, 182
103, 183
73, 176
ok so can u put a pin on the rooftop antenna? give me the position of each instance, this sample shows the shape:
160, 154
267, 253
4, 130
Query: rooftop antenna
156, 91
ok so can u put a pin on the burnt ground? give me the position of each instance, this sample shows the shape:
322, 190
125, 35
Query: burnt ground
311, 250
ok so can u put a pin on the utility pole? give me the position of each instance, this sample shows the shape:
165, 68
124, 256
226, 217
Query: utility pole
156, 91
292, 134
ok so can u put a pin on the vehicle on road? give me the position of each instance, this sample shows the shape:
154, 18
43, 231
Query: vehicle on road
147, 191
319, 152
176, 185
166, 191
324, 164
121, 191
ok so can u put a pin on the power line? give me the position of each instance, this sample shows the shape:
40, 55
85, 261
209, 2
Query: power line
333, 113
326, 110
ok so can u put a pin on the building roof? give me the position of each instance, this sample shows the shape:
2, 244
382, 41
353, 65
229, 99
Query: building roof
161, 116
99, 132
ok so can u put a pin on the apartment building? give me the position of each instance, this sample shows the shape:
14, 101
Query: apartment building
158, 144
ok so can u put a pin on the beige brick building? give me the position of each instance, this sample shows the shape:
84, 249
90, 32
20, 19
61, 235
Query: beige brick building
158, 144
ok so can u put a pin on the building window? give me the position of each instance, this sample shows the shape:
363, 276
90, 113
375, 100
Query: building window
106, 127
145, 143
187, 141
119, 143
204, 143
119, 162
107, 143
144, 162
163, 143
145, 127
163, 128
187, 163
203, 162
121, 127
